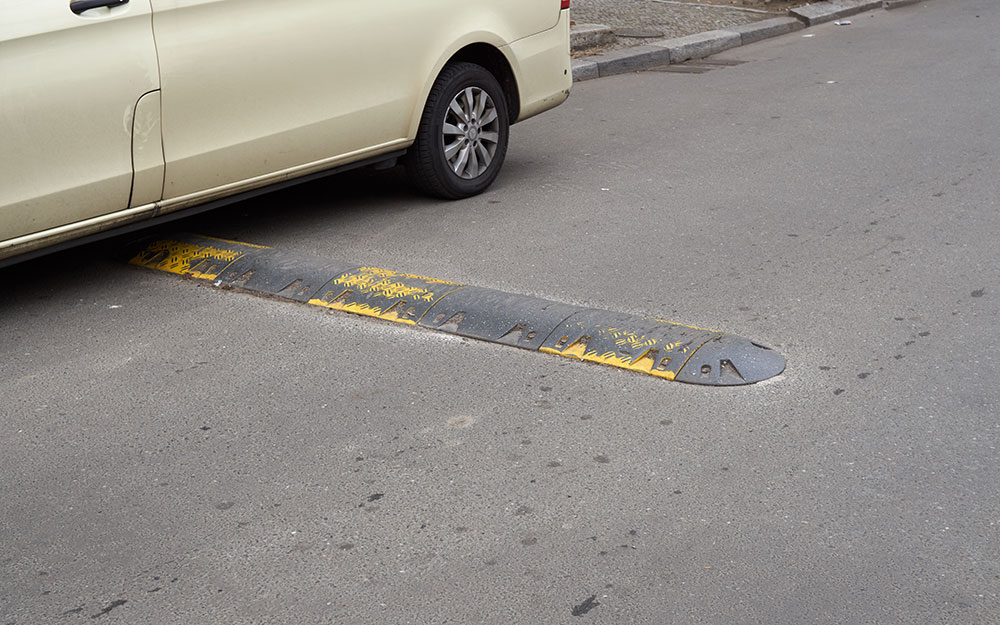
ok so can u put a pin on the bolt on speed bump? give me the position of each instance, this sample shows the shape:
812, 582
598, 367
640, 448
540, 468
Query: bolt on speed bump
663, 349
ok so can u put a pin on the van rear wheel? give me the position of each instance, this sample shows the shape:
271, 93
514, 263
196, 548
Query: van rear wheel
462, 138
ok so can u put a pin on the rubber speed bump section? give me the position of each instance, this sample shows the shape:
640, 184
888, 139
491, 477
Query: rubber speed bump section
198, 257
658, 348
730, 360
389, 295
491, 315
276, 272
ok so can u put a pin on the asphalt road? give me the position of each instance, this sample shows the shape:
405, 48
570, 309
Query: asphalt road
174, 453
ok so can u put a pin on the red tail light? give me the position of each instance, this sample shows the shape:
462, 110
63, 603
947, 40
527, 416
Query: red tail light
564, 4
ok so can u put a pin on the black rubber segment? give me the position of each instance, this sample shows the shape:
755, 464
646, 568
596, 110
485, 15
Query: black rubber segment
276, 272
491, 315
731, 360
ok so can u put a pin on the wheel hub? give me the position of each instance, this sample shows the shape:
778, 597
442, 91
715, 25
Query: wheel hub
470, 133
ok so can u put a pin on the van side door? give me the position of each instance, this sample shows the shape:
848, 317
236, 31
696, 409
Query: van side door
71, 77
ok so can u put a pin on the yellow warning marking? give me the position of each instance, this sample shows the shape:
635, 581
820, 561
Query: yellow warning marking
610, 358
364, 309
577, 349
376, 281
383, 283
443, 295
631, 339
649, 361
645, 362
199, 261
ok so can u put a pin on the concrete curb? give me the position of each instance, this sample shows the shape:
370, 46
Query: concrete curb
667, 51
758, 31
700, 45
630, 60
895, 4
830, 10
585, 69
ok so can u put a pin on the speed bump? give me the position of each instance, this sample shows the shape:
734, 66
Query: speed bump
655, 347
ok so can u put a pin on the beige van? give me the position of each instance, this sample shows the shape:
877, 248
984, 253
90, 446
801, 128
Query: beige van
114, 112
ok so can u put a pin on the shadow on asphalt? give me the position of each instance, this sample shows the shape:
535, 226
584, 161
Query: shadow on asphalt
331, 203
341, 196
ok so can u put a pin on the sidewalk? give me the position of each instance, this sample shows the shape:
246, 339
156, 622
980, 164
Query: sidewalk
634, 22
616, 36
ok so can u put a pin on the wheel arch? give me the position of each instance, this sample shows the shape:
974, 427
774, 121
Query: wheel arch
485, 55
483, 49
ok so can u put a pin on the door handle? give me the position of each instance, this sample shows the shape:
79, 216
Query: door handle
80, 6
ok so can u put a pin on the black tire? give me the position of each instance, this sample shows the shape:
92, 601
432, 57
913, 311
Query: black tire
436, 167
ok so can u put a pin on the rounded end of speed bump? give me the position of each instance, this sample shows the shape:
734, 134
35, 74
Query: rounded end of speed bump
730, 360
655, 347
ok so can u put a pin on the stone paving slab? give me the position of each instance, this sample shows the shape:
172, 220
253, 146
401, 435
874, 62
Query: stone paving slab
590, 35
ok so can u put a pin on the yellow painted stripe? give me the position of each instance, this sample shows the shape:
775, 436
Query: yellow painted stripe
643, 364
386, 283
363, 309
198, 261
